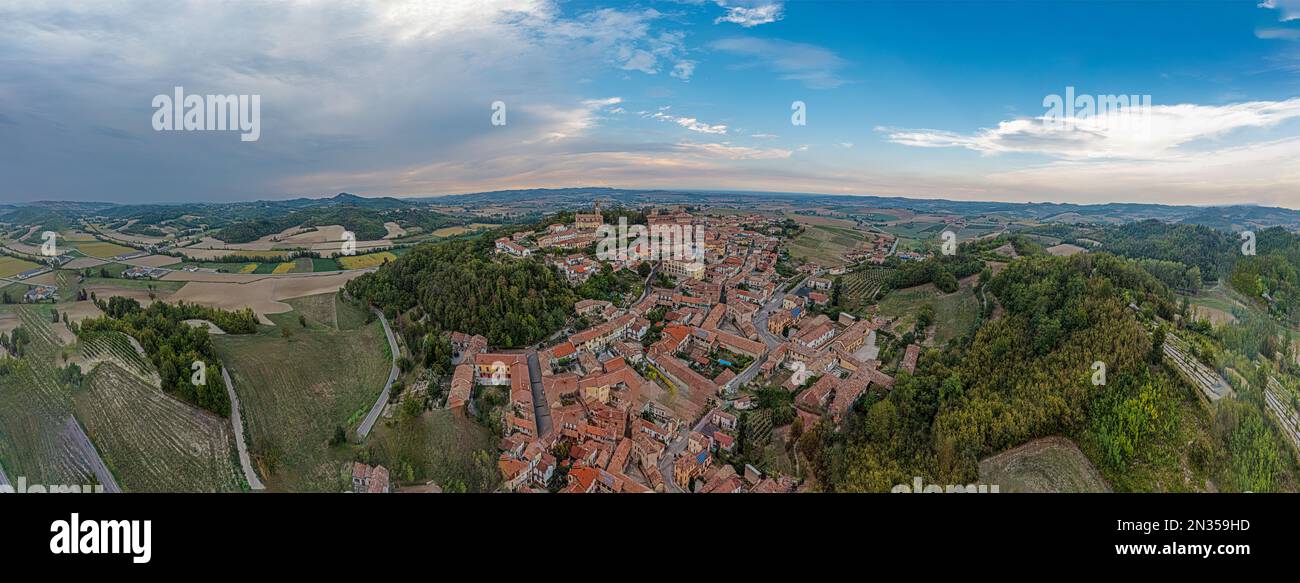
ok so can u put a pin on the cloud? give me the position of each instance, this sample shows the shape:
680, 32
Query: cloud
1288, 9
689, 123
1278, 33
750, 13
814, 66
351, 87
1129, 135
683, 70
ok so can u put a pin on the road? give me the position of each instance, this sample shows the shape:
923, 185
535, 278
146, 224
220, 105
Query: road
772, 306
369, 422
4, 480
237, 422
674, 449
82, 444
541, 409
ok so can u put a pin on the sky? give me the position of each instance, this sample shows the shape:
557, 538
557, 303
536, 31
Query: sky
955, 99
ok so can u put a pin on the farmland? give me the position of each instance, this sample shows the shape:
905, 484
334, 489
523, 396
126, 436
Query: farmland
38, 437
101, 249
1050, 464
153, 442
439, 445
826, 244
859, 288
297, 389
954, 313
367, 260
11, 266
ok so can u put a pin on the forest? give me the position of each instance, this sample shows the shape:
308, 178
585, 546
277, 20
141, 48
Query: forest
173, 345
1029, 374
457, 285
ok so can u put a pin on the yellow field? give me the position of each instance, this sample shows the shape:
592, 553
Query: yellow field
102, 249
367, 260
284, 267
248, 268
10, 266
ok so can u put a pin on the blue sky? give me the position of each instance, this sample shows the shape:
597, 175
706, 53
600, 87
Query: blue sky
904, 98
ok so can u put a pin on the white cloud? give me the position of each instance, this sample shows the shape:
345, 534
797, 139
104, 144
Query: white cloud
814, 66
689, 123
750, 13
1132, 136
683, 70
1289, 9
846, 145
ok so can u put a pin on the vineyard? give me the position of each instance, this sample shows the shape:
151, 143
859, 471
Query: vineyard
860, 288
119, 348
35, 413
154, 442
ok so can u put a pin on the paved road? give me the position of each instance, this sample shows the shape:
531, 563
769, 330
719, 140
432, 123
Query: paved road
4, 480
760, 320
675, 448
237, 422
541, 409
373, 416
81, 442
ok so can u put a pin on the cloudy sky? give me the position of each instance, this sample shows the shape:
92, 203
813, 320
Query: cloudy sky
916, 98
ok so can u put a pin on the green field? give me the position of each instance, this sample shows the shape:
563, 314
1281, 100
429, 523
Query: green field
858, 289
825, 244
954, 313
34, 408
1050, 464
11, 266
439, 445
152, 441
296, 390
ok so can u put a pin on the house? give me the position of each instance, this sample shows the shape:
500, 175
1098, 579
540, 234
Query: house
370, 480
39, 294
505, 245
909, 358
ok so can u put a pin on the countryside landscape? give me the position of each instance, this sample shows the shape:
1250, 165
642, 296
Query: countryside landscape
506, 342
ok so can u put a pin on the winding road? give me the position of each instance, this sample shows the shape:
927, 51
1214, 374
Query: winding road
237, 423
373, 416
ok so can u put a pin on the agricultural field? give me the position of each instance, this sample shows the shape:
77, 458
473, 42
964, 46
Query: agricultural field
1218, 304
461, 229
858, 289
367, 260
101, 249
825, 245
1050, 464
298, 384
153, 442
11, 266
954, 313
39, 438
440, 445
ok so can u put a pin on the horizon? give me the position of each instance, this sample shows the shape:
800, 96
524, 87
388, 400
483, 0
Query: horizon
939, 198
976, 101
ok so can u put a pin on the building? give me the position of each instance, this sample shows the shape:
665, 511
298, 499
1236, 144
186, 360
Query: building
370, 480
681, 269
589, 221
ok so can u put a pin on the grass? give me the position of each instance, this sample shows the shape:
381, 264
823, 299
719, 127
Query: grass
11, 266
1050, 464
284, 268
439, 445
825, 244
123, 283
367, 260
296, 390
153, 442
33, 407
102, 249
318, 265
954, 313
461, 230
250, 268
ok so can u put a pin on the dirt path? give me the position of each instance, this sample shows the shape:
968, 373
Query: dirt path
238, 423
369, 422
